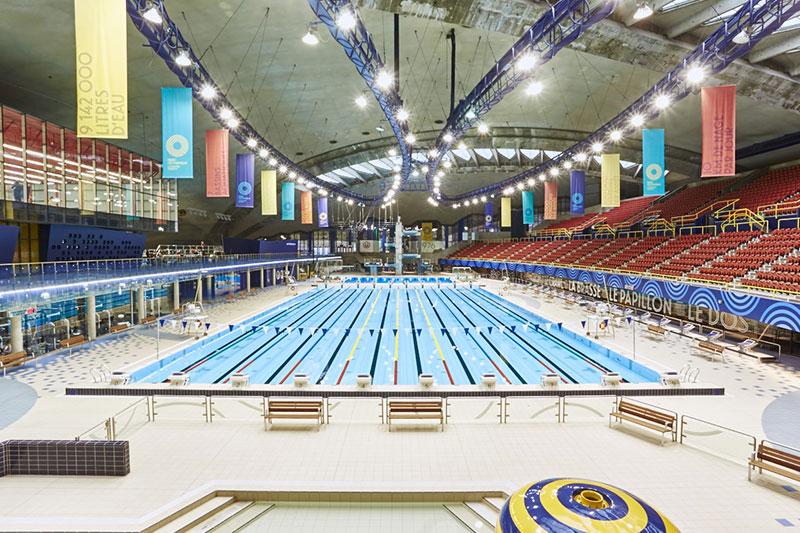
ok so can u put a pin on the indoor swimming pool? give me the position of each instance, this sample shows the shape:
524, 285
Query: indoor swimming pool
395, 332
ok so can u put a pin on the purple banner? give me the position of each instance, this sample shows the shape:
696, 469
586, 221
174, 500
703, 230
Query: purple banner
488, 215
322, 211
577, 187
245, 174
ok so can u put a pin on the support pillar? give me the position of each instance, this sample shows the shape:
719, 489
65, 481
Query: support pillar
16, 333
262, 278
91, 318
248, 280
273, 276
140, 305
209, 285
176, 295
199, 293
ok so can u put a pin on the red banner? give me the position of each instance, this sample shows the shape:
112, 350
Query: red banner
719, 131
217, 164
306, 215
550, 200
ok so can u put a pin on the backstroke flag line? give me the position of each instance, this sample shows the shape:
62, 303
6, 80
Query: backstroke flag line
577, 190
217, 164
269, 202
306, 214
176, 133
653, 162
550, 200
719, 131
322, 211
101, 57
609, 180
488, 215
245, 179
287, 200
505, 212
527, 207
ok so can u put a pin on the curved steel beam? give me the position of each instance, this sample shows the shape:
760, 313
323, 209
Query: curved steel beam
757, 18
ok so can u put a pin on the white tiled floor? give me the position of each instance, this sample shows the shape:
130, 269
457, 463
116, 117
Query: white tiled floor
178, 453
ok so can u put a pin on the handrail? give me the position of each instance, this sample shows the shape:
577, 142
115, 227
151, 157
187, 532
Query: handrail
792, 205
712, 229
726, 428
795, 219
692, 217
112, 417
743, 216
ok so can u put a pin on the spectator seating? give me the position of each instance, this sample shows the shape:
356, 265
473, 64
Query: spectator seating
703, 252
629, 254
689, 200
771, 188
665, 251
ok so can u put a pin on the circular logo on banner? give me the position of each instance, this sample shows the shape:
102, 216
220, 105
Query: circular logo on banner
654, 172
367, 245
244, 189
287, 206
177, 146
577, 199
488, 219
323, 217
529, 212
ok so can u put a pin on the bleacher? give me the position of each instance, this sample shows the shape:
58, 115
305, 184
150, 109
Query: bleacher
688, 200
773, 187
702, 252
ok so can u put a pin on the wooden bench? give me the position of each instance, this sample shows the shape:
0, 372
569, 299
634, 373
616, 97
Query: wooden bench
230, 296
780, 462
119, 328
656, 331
660, 421
710, 348
13, 359
73, 342
298, 409
416, 409
148, 320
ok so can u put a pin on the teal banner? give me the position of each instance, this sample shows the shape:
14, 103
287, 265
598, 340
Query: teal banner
176, 132
653, 162
287, 201
527, 207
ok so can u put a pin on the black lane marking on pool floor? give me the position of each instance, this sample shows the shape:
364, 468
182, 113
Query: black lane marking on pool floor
452, 342
520, 337
485, 337
550, 336
344, 337
414, 334
253, 355
291, 356
380, 335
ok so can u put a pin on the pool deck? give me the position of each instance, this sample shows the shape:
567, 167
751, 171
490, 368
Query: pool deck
699, 485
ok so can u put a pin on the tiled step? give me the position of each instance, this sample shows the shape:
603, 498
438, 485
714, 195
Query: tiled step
245, 517
496, 502
468, 518
184, 521
485, 511
213, 522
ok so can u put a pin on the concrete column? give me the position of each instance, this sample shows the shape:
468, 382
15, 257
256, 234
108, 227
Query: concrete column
248, 280
209, 287
140, 306
273, 276
262, 278
200, 290
91, 318
176, 295
16, 333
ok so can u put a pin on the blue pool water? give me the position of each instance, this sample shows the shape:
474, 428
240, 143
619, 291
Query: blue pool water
395, 333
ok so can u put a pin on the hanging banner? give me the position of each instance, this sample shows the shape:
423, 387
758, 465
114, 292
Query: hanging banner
176, 133
245, 176
306, 214
427, 231
101, 56
609, 180
527, 207
269, 202
287, 200
322, 212
550, 200
577, 188
653, 162
719, 131
217, 164
505, 212
488, 215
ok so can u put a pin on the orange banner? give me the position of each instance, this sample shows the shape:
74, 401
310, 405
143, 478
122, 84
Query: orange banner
217, 164
550, 200
719, 131
306, 214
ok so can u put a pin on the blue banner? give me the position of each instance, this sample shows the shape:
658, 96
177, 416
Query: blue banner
527, 207
322, 212
287, 200
176, 133
577, 189
245, 176
488, 217
653, 162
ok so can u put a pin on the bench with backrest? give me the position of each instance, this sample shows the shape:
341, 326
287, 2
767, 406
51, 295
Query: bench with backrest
416, 409
72, 342
775, 460
295, 408
655, 419
13, 359
710, 348
148, 320
656, 331
119, 328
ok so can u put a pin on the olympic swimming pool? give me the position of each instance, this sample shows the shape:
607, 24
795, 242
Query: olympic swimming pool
395, 332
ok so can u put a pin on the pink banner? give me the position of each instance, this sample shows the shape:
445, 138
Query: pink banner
719, 131
217, 164
550, 200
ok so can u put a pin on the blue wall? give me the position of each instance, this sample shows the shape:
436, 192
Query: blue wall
69, 243
252, 246
8, 243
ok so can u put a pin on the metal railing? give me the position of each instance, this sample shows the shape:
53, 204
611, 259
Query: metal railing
718, 430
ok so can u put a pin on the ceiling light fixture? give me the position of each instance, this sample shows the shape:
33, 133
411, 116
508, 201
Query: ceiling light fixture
662, 101
251, 143
311, 37
384, 80
153, 15
534, 88
483, 129
208, 92
448, 138
401, 115
637, 121
410, 139
183, 59
527, 61
643, 10
361, 100
346, 20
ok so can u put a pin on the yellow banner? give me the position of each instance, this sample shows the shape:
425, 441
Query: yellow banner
609, 178
505, 212
427, 231
269, 194
102, 68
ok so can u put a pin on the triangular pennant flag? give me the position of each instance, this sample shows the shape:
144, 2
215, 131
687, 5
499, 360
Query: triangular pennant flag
525, 327
419, 332
512, 328
277, 330
300, 330
161, 322
548, 326
490, 329
478, 330
266, 330
536, 327
173, 322
335, 331
501, 328
313, 330
454, 330
383, 331
629, 319
444, 331
346, 331
583, 323
371, 332
253, 329
208, 325
184, 323
408, 330
559, 325
466, 331
230, 327
324, 331
395, 332
605, 322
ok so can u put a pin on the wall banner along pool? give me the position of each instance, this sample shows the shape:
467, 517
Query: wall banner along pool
322, 212
217, 164
287, 200
245, 176
488, 215
609, 180
577, 191
653, 162
269, 200
176, 133
527, 207
718, 110
550, 200
306, 213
